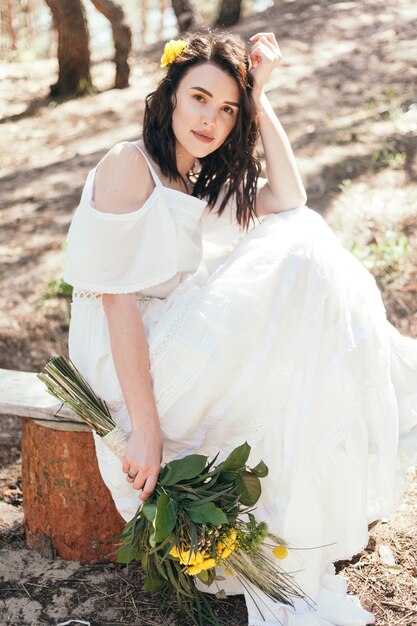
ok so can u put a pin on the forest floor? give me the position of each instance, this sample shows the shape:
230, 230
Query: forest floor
346, 95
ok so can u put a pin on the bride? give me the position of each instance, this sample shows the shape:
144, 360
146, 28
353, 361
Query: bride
212, 307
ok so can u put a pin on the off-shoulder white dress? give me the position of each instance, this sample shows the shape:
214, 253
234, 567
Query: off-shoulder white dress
277, 336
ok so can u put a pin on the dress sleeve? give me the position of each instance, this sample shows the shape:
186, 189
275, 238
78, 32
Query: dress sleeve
120, 252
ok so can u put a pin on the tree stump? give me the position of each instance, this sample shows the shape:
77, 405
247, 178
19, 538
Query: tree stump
69, 511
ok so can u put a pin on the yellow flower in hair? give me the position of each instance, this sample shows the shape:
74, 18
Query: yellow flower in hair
280, 552
172, 49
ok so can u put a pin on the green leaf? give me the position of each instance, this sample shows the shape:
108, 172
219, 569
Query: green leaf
149, 510
183, 469
261, 470
166, 517
228, 477
214, 496
204, 577
127, 554
153, 583
144, 561
249, 486
207, 513
237, 458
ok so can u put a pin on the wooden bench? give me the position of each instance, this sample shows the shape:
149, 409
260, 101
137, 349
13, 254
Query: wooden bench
68, 511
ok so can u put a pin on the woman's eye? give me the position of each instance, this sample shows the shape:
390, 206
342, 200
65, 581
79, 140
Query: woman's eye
228, 110
199, 97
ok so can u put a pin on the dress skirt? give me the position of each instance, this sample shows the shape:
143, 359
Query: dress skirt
281, 341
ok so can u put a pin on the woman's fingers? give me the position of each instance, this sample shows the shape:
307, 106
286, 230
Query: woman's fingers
140, 478
131, 475
143, 476
149, 486
264, 56
125, 465
269, 43
264, 48
142, 459
270, 36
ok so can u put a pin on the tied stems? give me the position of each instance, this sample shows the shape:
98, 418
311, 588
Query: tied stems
66, 383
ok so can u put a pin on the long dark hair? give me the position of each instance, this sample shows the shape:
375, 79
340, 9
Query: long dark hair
234, 166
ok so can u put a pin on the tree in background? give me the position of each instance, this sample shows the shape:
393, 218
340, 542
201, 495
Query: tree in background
184, 12
73, 47
229, 13
122, 37
188, 19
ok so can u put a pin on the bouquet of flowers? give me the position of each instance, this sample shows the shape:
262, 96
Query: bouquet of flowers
198, 520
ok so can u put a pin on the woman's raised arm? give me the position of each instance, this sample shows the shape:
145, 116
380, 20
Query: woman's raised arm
285, 189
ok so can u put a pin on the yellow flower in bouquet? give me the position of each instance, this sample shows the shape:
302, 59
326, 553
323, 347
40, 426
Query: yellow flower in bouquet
227, 544
280, 552
172, 49
205, 564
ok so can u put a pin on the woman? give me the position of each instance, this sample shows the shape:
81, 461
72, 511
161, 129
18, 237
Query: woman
275, 335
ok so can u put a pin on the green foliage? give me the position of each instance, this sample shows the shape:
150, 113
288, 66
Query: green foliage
183, 469
260, 470
207, 513
249, 487
58, 289
345, 184
385, 257
387, 155
149, 510
237, 459
194, 505
165, 518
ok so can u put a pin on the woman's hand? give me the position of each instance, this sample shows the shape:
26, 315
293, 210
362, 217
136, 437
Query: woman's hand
264, 56
142, 459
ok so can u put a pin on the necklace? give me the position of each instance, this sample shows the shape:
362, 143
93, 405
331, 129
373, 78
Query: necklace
188, 184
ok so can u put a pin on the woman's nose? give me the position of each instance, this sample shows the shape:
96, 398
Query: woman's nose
209, 116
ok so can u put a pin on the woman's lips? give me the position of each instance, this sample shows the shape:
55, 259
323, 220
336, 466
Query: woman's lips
201, 137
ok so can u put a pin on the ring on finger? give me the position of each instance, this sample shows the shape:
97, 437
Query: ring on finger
130, 475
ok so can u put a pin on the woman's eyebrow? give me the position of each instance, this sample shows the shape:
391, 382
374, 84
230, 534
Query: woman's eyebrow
235, 104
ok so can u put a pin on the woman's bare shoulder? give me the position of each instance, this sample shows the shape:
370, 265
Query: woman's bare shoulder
122, 181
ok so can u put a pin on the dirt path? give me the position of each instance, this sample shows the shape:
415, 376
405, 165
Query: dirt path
346, 94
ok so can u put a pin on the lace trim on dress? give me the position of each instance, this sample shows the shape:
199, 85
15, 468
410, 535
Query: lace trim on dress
88, 296
85, 295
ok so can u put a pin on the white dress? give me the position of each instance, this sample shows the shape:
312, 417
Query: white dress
278, 337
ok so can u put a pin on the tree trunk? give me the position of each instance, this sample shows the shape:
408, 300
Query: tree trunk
69, 512
144, 12
10, 25
73, 48
26, 9
122, 37
229, 13
184, 12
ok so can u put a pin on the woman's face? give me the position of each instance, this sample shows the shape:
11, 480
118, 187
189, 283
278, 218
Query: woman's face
206, 110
